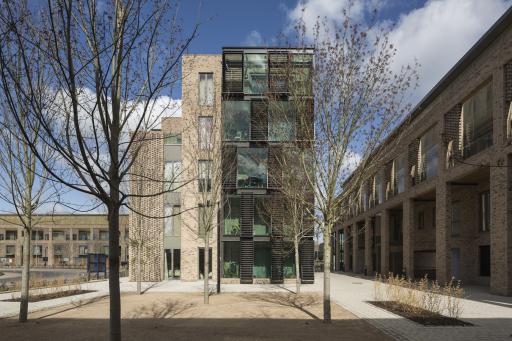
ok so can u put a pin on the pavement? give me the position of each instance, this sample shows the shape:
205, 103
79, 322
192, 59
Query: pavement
491, 315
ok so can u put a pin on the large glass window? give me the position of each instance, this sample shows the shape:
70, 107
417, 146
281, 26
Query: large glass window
281, 121
11, 235
252, 168
231, 259
58, 235
37, 235
83, 235
172, 139
172, 173
205, 132
205, 175
476, 122
103, 235
300, 77
399, 176
485, 211
206, 91
236, 120
262, 260
289, 261
428, 156
261, 223
172, 223
379, 188
255, 73
232, 216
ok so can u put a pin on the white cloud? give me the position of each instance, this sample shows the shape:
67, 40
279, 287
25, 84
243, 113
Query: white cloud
440, 33
254, 38
436, 35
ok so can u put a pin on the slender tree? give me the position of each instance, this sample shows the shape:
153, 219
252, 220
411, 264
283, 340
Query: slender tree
24, 185
359, 94
109, 66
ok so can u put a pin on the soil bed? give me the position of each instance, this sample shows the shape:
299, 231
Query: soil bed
419, 315
52, 295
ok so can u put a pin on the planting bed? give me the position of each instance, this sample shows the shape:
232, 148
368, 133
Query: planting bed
419, 315
52, 295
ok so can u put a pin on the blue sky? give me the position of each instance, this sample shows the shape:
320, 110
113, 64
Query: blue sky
436, 33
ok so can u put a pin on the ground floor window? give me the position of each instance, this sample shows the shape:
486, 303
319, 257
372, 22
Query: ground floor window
289, 262
262, 259
231, 259
485, 260
173, 260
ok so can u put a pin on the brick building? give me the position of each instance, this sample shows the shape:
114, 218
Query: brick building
224, 107
441, 201
60, 240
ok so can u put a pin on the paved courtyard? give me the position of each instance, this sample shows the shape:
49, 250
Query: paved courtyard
490, 314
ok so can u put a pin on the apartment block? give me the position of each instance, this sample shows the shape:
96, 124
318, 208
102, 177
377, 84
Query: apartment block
60, 240
227, 127
440, 201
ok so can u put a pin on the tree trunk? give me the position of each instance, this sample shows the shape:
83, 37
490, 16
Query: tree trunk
297, 265
327, 278
139, 270
206, 269
113, 275
25, 277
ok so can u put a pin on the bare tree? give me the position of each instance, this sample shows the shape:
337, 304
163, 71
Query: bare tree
109, 66
24, 185
359, 95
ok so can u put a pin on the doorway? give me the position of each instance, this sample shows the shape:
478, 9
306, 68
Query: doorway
201, 263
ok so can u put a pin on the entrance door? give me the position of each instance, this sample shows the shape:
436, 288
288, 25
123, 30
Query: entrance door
201, 263
172, 263
455, 263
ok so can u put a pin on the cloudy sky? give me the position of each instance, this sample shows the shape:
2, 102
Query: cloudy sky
436, 32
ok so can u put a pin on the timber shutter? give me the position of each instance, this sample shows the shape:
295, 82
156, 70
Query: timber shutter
307, 254
229, 165
233, 73
246, 240
259, 121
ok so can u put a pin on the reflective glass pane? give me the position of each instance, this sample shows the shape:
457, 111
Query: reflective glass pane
477, 121
281, 121
262, 259
252, 168
232, 216
231, 259
236, 120
255, 73
172, 139
261, 223
205, 132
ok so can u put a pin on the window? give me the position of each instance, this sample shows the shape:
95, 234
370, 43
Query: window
420, 220
83, 250
205, 175
252, 168
105, 249
206, 90
399, 175
58, 235
231, 260
103, 235
83, 235
455, 218
434, 217
485, 260
205, 132
261, 267
37, 235
300, 78
201, 263
37, 251
1, 236
172, 222
289, 261
476, 122
58, 250
379, 188
427, 156
485, 211
255, 73
236, 123
172, 176
281, 121
172, 139
261, 222
232, 216
10, 250
11, 235
204, 219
